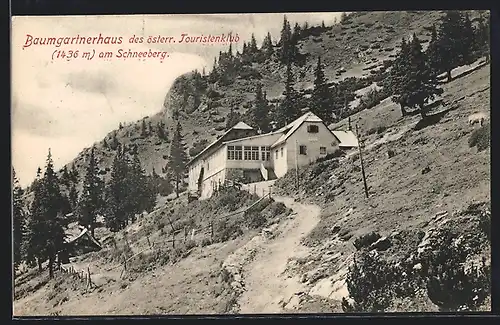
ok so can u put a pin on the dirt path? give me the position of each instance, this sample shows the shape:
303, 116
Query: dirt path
266, 288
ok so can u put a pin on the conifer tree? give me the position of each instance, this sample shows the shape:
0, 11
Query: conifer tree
289, 108
260, 111
178, 158
422, 85
253, 45
34, 243
73, 198
51, 212
482, 37
398, 81
115, 212
144, 132
468, 40
18, 219
321, 98
433, 53
452, 43
286, 50
267, 46
65, 177
142, 195
232, 119
90, 203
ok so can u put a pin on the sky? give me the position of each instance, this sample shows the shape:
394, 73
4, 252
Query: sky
67, 105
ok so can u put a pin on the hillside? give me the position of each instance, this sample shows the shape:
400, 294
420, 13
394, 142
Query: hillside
422, 179
409, 206
356, 48
247, 251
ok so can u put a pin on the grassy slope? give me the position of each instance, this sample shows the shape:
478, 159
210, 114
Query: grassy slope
337, 46
165, 280
402, 198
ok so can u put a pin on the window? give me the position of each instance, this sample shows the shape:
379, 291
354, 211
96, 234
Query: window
322, 150
281, 152
312, 129
247, 153
276, 154
255, 153
230, 153
303, 150
238, 153
265, 153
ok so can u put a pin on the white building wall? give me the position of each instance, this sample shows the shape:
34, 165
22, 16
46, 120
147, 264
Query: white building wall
313, 143
280, 156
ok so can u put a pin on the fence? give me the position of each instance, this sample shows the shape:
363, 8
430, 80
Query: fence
183, 234
83, 276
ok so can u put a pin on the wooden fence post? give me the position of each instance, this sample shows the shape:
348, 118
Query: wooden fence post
149, 243
89, 283
173, 240
211, 230
192, 234
185, 233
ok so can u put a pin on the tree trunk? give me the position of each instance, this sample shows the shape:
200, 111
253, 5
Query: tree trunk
177, 186
403, 110
39, 261
448, 75
51, 266
422, 111
59, 260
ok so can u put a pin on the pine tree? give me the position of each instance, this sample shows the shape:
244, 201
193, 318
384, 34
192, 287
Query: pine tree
289, 108
398, 79
260, 111
452, 43
294, 41
51, 208
321, 97
90, 203
232, 118
74, 174
18, 221
482, 37
142, 196
214, 75
468, 40
286, 50
433, 53
323, 24
115, 212
160, 130
105, 144
343, 17
267, 46
253, 45
65, 177
144, 131
73, 198
120, 126
35, 240
178, 158
422, 85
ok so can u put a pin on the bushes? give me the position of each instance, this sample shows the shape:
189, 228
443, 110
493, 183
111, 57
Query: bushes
443, 274
451, 285
373, 284
366, 240
480, 138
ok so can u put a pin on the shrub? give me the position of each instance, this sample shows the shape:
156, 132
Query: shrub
480, 138
336, 154
450, 284
366, 240
373, 284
